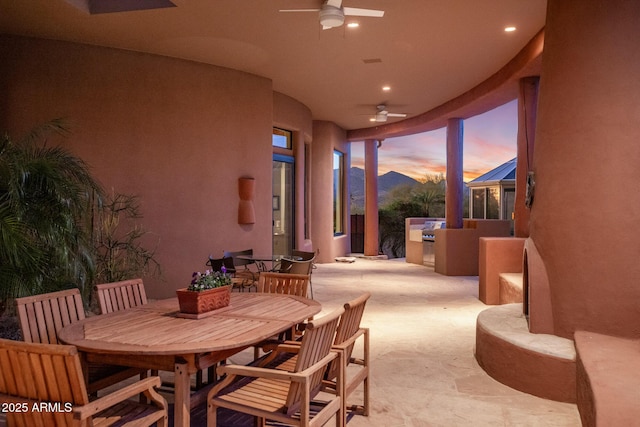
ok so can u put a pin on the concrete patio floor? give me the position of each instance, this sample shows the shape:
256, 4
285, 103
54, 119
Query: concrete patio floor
422, 340
423, 371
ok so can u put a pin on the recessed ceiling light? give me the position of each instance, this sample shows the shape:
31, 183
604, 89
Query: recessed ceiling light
353, 25
509, 29
372, 119
386, 88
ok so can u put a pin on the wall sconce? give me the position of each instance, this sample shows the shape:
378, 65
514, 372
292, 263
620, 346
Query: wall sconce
246, 191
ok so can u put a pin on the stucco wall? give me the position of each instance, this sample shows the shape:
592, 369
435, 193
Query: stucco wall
327, 137
178, 134
584, 219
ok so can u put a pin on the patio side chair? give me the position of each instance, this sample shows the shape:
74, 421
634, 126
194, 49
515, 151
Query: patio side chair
238, 282
33, 374
306, 256
42, 316
356, 370
285, 396
283, 283
241, 267
121, 295
287, 284
294, 266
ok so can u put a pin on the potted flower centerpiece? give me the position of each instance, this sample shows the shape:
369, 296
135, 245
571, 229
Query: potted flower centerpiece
208, 291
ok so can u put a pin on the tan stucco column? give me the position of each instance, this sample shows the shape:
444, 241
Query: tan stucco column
527, 107
454, 196
371, 197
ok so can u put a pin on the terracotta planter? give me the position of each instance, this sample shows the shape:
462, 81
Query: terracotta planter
192, 302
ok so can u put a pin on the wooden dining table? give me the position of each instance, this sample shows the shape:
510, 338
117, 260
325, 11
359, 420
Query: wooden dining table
155, 336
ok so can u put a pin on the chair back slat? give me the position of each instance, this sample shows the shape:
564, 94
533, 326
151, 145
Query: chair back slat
42, 316
123, 295
349, 325
316, 344
283, 283
33, 373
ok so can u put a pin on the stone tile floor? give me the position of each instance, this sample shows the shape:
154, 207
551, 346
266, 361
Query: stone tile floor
422, 342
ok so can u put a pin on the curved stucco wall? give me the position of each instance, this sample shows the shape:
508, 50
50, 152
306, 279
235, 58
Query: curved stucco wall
177, 133
585, 215
328, 137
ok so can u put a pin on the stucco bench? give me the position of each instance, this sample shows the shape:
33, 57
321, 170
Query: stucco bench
608, 379
539, 364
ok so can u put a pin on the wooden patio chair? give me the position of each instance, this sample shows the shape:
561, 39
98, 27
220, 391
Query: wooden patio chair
348, 332
283, 283
121, 295
292, 266
49, 377
285, 396
42, 316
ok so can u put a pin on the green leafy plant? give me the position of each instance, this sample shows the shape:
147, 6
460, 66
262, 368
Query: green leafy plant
45, 233
209, 280
425, 199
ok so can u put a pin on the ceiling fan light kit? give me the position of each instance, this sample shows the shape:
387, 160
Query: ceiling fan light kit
382, 115
332, 13
331, 17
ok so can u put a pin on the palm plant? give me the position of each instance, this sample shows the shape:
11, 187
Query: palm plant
46, 194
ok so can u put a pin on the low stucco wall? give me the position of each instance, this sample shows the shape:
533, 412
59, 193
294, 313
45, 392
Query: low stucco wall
497, 255
457, 249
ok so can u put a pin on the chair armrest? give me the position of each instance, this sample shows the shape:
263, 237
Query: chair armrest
145, 386
351, 340
287, 346
257, 372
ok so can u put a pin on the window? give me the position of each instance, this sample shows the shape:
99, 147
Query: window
485, 203
338, 193
281, 138
493, 203
478, 203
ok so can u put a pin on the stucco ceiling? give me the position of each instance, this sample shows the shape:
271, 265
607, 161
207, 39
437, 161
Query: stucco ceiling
427, 51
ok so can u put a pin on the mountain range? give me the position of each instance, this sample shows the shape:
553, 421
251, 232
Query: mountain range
386, 182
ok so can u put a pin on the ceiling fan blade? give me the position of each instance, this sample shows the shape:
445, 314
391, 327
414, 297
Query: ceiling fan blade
396, 115
299, 10
355, 11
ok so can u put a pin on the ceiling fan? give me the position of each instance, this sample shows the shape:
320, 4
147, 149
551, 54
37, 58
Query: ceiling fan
382, 114
332, 13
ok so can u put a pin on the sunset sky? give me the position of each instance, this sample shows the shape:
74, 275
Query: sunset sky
489, 141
